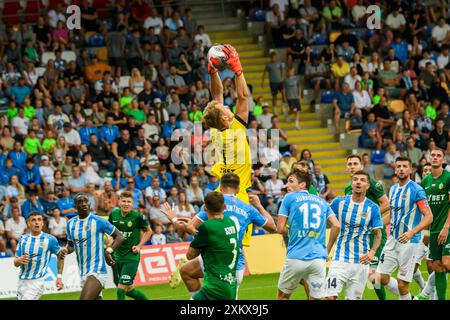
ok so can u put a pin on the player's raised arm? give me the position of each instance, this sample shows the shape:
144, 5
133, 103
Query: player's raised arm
215, 86
270, 224
241, 84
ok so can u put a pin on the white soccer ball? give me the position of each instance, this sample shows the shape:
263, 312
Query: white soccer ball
217, 58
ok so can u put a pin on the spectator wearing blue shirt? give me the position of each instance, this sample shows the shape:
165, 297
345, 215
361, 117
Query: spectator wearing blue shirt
77, 183
170, 126
131, 164
87, 130
20, 91
138, 198
118, 182
67, 205
30, 177
109, 132
32, 204
370, 137
8, 171
18, 156
165, 179
343, 105
2, 157
143, 180
212, 185
50, 204
400, 48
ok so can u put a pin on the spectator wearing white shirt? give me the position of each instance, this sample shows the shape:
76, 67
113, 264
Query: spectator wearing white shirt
71, 135
158, 237
359, 13
274, 185
56, 15
444, 58
21, 123
154, 21
15, 227
282, 4
440, 33
396, 20
47, 172
362, 99
425, 59
57, 120
184, 209
203, 38
57, 226
352, 77
265, 119
155, 190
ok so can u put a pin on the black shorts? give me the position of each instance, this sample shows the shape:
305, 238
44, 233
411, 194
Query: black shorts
294, 104
275, 87
114, 62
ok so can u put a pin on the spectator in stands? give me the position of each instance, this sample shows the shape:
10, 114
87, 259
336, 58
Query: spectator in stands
14, 228
32, 204
317, 74
396, 20
58, 227
322, 184
332, 16
371, 137
440, 33
384, 117
444, 114
138, 198
107, 200
140, 11
339, 69
415, 154
265, 119
389, 160
274, 185
3, 253
368, 166
275, 69
95, 70
310, 18
155, 190
203, 38
171, 235
440, 135
158, 237
274, 22
183, 208
194, 193
343, 105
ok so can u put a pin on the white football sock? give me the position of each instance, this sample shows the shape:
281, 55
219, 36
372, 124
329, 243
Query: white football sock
419, 278
392, 286
406, 297
429, 286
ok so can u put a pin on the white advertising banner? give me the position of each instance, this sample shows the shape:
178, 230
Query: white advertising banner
9, 277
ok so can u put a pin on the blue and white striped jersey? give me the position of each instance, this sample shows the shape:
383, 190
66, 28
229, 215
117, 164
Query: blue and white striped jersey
242, 214
357, 221
307, 216
405, 214
87, 236
39, 249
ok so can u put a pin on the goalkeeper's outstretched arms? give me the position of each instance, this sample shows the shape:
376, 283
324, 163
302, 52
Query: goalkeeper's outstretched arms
241, 85
216, 86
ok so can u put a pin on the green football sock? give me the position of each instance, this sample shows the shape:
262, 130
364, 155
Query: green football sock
121, 294
441, 284
381, 293
137, 295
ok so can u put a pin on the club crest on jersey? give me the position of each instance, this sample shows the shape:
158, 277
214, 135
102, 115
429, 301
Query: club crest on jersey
441, 186
404, 196
130, 224
363, 214
87, 228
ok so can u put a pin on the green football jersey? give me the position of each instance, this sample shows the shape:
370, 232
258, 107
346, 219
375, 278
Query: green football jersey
217, 239
312, 190
130, 226
437, 191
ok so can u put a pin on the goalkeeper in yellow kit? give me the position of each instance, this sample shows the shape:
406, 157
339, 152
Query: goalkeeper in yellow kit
229, 136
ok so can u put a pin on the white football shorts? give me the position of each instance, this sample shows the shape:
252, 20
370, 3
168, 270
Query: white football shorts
30, 289
351, 275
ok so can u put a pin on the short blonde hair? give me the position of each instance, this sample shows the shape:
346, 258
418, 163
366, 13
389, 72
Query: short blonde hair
212, 115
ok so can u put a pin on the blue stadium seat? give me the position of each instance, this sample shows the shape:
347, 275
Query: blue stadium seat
377, 156
259, 15
327, 96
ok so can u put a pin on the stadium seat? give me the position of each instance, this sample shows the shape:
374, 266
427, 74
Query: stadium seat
88, 35
40, 71
11, 12
96, 40
32, 10
259, 15
47, 56
377, 156
69, 56
124, 82
397, 106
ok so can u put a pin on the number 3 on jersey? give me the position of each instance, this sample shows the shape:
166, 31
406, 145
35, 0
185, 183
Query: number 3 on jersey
311, 215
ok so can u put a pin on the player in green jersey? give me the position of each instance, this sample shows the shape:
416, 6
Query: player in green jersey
130, 223
437, 188
217, 242
376, 194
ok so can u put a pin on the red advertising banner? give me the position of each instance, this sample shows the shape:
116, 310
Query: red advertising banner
159, 261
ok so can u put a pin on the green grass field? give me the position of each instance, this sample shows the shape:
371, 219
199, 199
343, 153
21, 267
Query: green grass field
257, 287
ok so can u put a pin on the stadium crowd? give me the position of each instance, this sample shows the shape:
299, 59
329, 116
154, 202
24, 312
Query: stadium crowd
81, 118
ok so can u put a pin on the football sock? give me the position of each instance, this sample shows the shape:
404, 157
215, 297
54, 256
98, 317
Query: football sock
137, 295
441, 284
392, 286
381, 293
406, 297
429, 286
121, 294
419, 279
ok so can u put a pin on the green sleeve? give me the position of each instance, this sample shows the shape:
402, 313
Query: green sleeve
142, 223
312, 190
201, 239
376, 188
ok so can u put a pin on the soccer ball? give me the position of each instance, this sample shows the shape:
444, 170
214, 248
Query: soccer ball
217, 58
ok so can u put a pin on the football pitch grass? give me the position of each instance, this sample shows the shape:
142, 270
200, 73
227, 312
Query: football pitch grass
256, 287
